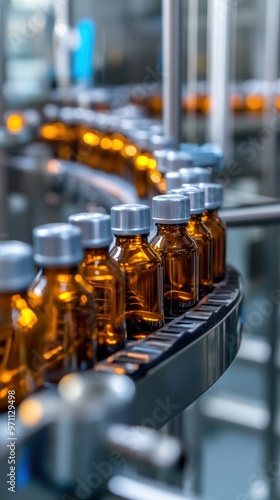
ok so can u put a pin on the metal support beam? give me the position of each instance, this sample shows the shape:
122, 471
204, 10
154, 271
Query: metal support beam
270, 170
249, 216
192, 88
218, 57
171, 43
3, 180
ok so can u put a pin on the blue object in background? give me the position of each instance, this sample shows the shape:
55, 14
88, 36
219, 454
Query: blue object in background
23, 475
82, 63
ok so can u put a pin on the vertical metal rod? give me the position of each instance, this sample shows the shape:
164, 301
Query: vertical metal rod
176, 428
270, 184
2, 60
273, 273
218, 57
192, 64
3, 180
61, 49
271, 178
270, 174
171, 43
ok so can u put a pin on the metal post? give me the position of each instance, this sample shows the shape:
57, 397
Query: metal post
3, 180
175, 428
218, 72
270, 178
171, 43
61, 44
271, 444
270, 171
192, 63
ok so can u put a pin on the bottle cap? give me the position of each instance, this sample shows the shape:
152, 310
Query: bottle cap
57, 245
66, 115
158, 141
16, 266
213, 195
170, 209
161, 160
173, 180
51, 112
96, 229
178, 159
129, 219
196, 196
195, 175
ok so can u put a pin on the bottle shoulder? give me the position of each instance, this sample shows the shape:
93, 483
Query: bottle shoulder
171, 244
199, 231
214, 221
134, 254
105, 269
58, 288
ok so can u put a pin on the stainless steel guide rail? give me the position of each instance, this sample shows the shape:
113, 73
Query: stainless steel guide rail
179, 362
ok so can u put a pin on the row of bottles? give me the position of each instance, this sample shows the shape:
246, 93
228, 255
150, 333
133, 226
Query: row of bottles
86, 300
141, 154
252, 102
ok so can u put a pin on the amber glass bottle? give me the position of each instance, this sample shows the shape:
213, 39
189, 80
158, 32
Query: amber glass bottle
201, 235
178, 252
107, 280
66, 299
142, 267
21, 330
211, 219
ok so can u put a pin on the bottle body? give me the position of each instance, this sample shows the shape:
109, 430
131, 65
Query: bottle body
204, 240
21, 334
108, 284
217, 228
179, 255
143, 285
67, 301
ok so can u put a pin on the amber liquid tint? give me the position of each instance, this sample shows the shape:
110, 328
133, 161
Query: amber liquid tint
109, 291
143, 290
179, 256
21, 333
217, 228
204, 240
67, 301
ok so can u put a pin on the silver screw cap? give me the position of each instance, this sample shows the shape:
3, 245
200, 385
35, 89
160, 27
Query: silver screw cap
178, 159
214, 194
158, 141
195, 175
95, 228
173, 180
170, 209
196, 196
129, 219
161, 160
16, 266
57, 245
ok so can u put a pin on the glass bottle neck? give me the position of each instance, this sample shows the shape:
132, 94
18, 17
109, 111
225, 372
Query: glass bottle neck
52, 271
171, 228
131, 239
212, 212
196, 218
96, 253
